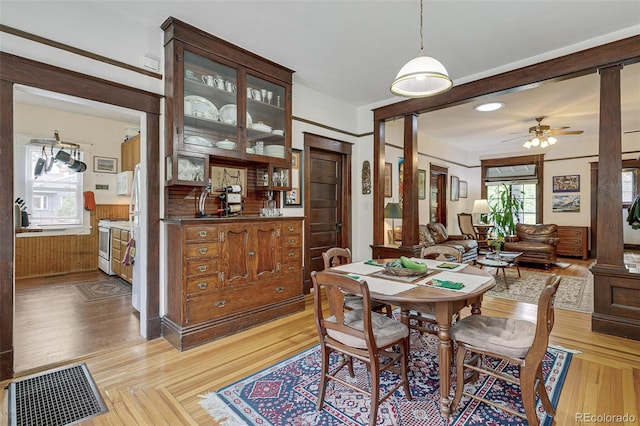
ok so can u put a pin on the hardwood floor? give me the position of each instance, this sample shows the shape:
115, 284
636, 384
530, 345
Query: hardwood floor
152, 383
54, 324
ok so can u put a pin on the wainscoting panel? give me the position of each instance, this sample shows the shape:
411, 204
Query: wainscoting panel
56, 255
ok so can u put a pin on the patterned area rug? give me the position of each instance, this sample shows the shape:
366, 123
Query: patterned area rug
285, 394
103, 289
573, 293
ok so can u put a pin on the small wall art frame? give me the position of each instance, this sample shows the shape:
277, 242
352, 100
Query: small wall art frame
566, 203
293, 198
567, 183
463, 187
105, 165
388, 173
455, 188
422, 184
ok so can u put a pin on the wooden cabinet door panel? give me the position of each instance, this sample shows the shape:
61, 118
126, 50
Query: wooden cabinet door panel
236, 254
265, 246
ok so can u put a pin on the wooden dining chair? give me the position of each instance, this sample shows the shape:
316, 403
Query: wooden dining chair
358, 333
337, 256
465, 222
516, 341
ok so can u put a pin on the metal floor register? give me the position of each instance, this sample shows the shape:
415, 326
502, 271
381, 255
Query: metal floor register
62, 396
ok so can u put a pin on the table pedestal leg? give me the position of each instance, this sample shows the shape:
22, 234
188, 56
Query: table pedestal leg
444, 359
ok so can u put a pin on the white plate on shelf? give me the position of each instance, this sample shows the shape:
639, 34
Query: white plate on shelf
226, 144
197, 106
278, 132
274, 151
229, 115
197, 140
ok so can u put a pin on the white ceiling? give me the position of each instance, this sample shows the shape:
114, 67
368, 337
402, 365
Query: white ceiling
351, 50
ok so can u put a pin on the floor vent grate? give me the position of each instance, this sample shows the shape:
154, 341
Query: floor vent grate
56, 397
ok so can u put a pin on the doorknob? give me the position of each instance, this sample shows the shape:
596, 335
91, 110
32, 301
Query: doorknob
338, 226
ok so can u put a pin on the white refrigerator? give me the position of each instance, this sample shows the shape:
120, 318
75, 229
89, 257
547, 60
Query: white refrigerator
135, 212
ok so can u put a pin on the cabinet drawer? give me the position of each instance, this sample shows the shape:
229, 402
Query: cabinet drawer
570, 232
290, 254
291, 268
289, 228
570, 242
201, 266
570, 251
290, 240
201, 233
196, 285
222, 303
115, 233
201, 250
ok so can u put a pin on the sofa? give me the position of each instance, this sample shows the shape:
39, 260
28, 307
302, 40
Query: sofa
436, 234
536, 242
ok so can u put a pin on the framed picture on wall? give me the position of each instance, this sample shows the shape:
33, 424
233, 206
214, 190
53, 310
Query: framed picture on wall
568, 183
422, 184
463, 189
293, 198
388, 172
455, 188
105, 165
400, 179
566, 203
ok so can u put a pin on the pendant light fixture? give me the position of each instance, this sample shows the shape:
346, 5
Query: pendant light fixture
422, 76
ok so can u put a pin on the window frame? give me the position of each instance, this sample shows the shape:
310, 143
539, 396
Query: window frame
536, 159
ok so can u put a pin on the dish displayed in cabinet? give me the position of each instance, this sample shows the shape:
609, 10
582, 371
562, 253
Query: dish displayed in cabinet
229, 115
197, 140
226, 144
274, 151
261, 127
197, 106
278, 132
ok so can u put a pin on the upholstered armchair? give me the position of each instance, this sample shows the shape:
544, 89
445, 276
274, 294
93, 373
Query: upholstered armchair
536, 242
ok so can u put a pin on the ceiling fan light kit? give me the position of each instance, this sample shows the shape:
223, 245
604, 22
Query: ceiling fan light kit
541, 132
423, 75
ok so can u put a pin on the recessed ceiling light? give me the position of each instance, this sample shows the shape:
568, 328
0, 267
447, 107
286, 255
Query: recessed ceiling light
489, 106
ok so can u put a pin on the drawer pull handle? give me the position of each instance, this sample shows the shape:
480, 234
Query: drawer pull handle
202, 233
202, 268
291, 268
291, 228
291, 254
220, 303
279, 289
203, 250
202, 286
292, 241
252, 253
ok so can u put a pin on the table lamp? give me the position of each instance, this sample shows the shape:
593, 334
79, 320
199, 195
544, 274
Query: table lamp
481, 207
393, 211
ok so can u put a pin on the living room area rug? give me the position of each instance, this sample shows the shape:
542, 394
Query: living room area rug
574, 293
286, 393
103, 289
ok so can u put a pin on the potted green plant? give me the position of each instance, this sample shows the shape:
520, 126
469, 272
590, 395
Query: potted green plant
505, 211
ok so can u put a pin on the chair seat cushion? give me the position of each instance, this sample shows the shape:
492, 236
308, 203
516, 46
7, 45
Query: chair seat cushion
385, 329
355, 302
504, 336
462, 245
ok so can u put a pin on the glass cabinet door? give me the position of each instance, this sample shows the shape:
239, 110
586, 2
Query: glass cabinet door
266, 118
210, 106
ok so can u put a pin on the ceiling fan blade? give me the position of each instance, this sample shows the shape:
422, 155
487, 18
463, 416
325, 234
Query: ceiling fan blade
632, 131
514, 139
558, 128
566, 132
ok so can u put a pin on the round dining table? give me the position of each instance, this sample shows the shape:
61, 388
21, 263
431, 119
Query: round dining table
443, 304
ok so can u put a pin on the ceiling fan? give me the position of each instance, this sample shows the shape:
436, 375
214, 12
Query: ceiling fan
542, 135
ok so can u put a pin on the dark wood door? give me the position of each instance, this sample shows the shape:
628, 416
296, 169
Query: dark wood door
327, 198
438, 195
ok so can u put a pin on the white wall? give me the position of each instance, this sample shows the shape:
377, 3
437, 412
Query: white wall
96, 136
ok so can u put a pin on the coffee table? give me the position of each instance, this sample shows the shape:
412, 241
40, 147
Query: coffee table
502, 260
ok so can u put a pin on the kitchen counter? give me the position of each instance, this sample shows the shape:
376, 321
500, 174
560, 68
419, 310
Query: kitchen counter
252, 218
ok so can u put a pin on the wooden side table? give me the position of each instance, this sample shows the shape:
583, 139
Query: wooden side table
482, 231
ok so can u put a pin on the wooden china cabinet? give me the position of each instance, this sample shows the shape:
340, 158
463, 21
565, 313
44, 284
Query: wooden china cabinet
226, 106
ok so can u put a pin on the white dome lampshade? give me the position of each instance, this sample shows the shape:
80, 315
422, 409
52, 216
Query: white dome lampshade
420, 77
